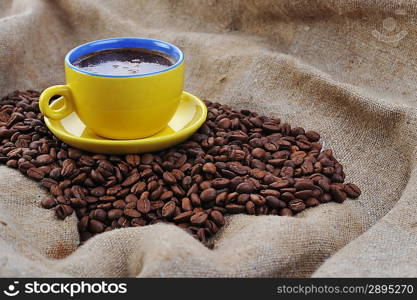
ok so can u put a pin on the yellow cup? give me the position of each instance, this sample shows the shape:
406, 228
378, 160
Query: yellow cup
119, 107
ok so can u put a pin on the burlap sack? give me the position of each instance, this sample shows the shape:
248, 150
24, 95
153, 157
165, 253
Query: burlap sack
345, 68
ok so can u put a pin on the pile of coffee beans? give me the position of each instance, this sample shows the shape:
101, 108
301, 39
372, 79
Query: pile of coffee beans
237, 162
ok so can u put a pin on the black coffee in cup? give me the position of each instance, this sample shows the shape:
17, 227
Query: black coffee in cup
124, 62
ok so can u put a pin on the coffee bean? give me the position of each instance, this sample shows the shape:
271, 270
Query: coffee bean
48, 202
183, 217
35, 173
122, 222
130, 180
280, 183
24, 165
311, 202
199, 218
91, 199
237, 162
271, 127
43, 159
138, 188
62, 211
242, 199
305, 194
277, 162
96, 226
130, 198
156, 194
208, 195
237, 168
245, 187
169, 178
337, 193
136, 222
312, 136
105, 168
63, 200
125, 205
258, 142
186, 204
235, 208
80, 178
156, 205
143, 204
14, 118
83, 223
86, 160
68, 168
195, 200
78, 203
78, 191
4, 132
166, 195
132, 213
270, 192
287, 196
209, 168
304, 185
147, 159
326, 197
224, 123
250, 207
274, 202
257, 199
98, 191
352, 190
56, 190
217, 217
120, 204
12, 163
74, 153
98, 214
285, 212
258, 153
219, 183
114, 214
168, 209
324, 185
133, 159
296, 205
107, 198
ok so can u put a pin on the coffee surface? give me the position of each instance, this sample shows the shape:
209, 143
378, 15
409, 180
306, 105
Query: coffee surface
124, 62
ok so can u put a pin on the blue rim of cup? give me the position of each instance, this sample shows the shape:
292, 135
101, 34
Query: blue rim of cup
124, 42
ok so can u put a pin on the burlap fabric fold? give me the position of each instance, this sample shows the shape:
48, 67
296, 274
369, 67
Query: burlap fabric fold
346, 69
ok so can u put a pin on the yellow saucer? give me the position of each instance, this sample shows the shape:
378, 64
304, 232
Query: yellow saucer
190, 115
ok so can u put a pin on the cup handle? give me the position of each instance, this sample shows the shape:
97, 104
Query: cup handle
68, 102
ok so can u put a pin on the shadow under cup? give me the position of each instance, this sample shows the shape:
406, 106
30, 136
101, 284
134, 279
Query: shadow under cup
124, 106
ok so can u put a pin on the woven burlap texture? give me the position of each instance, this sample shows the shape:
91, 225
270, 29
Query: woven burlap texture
346, 69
